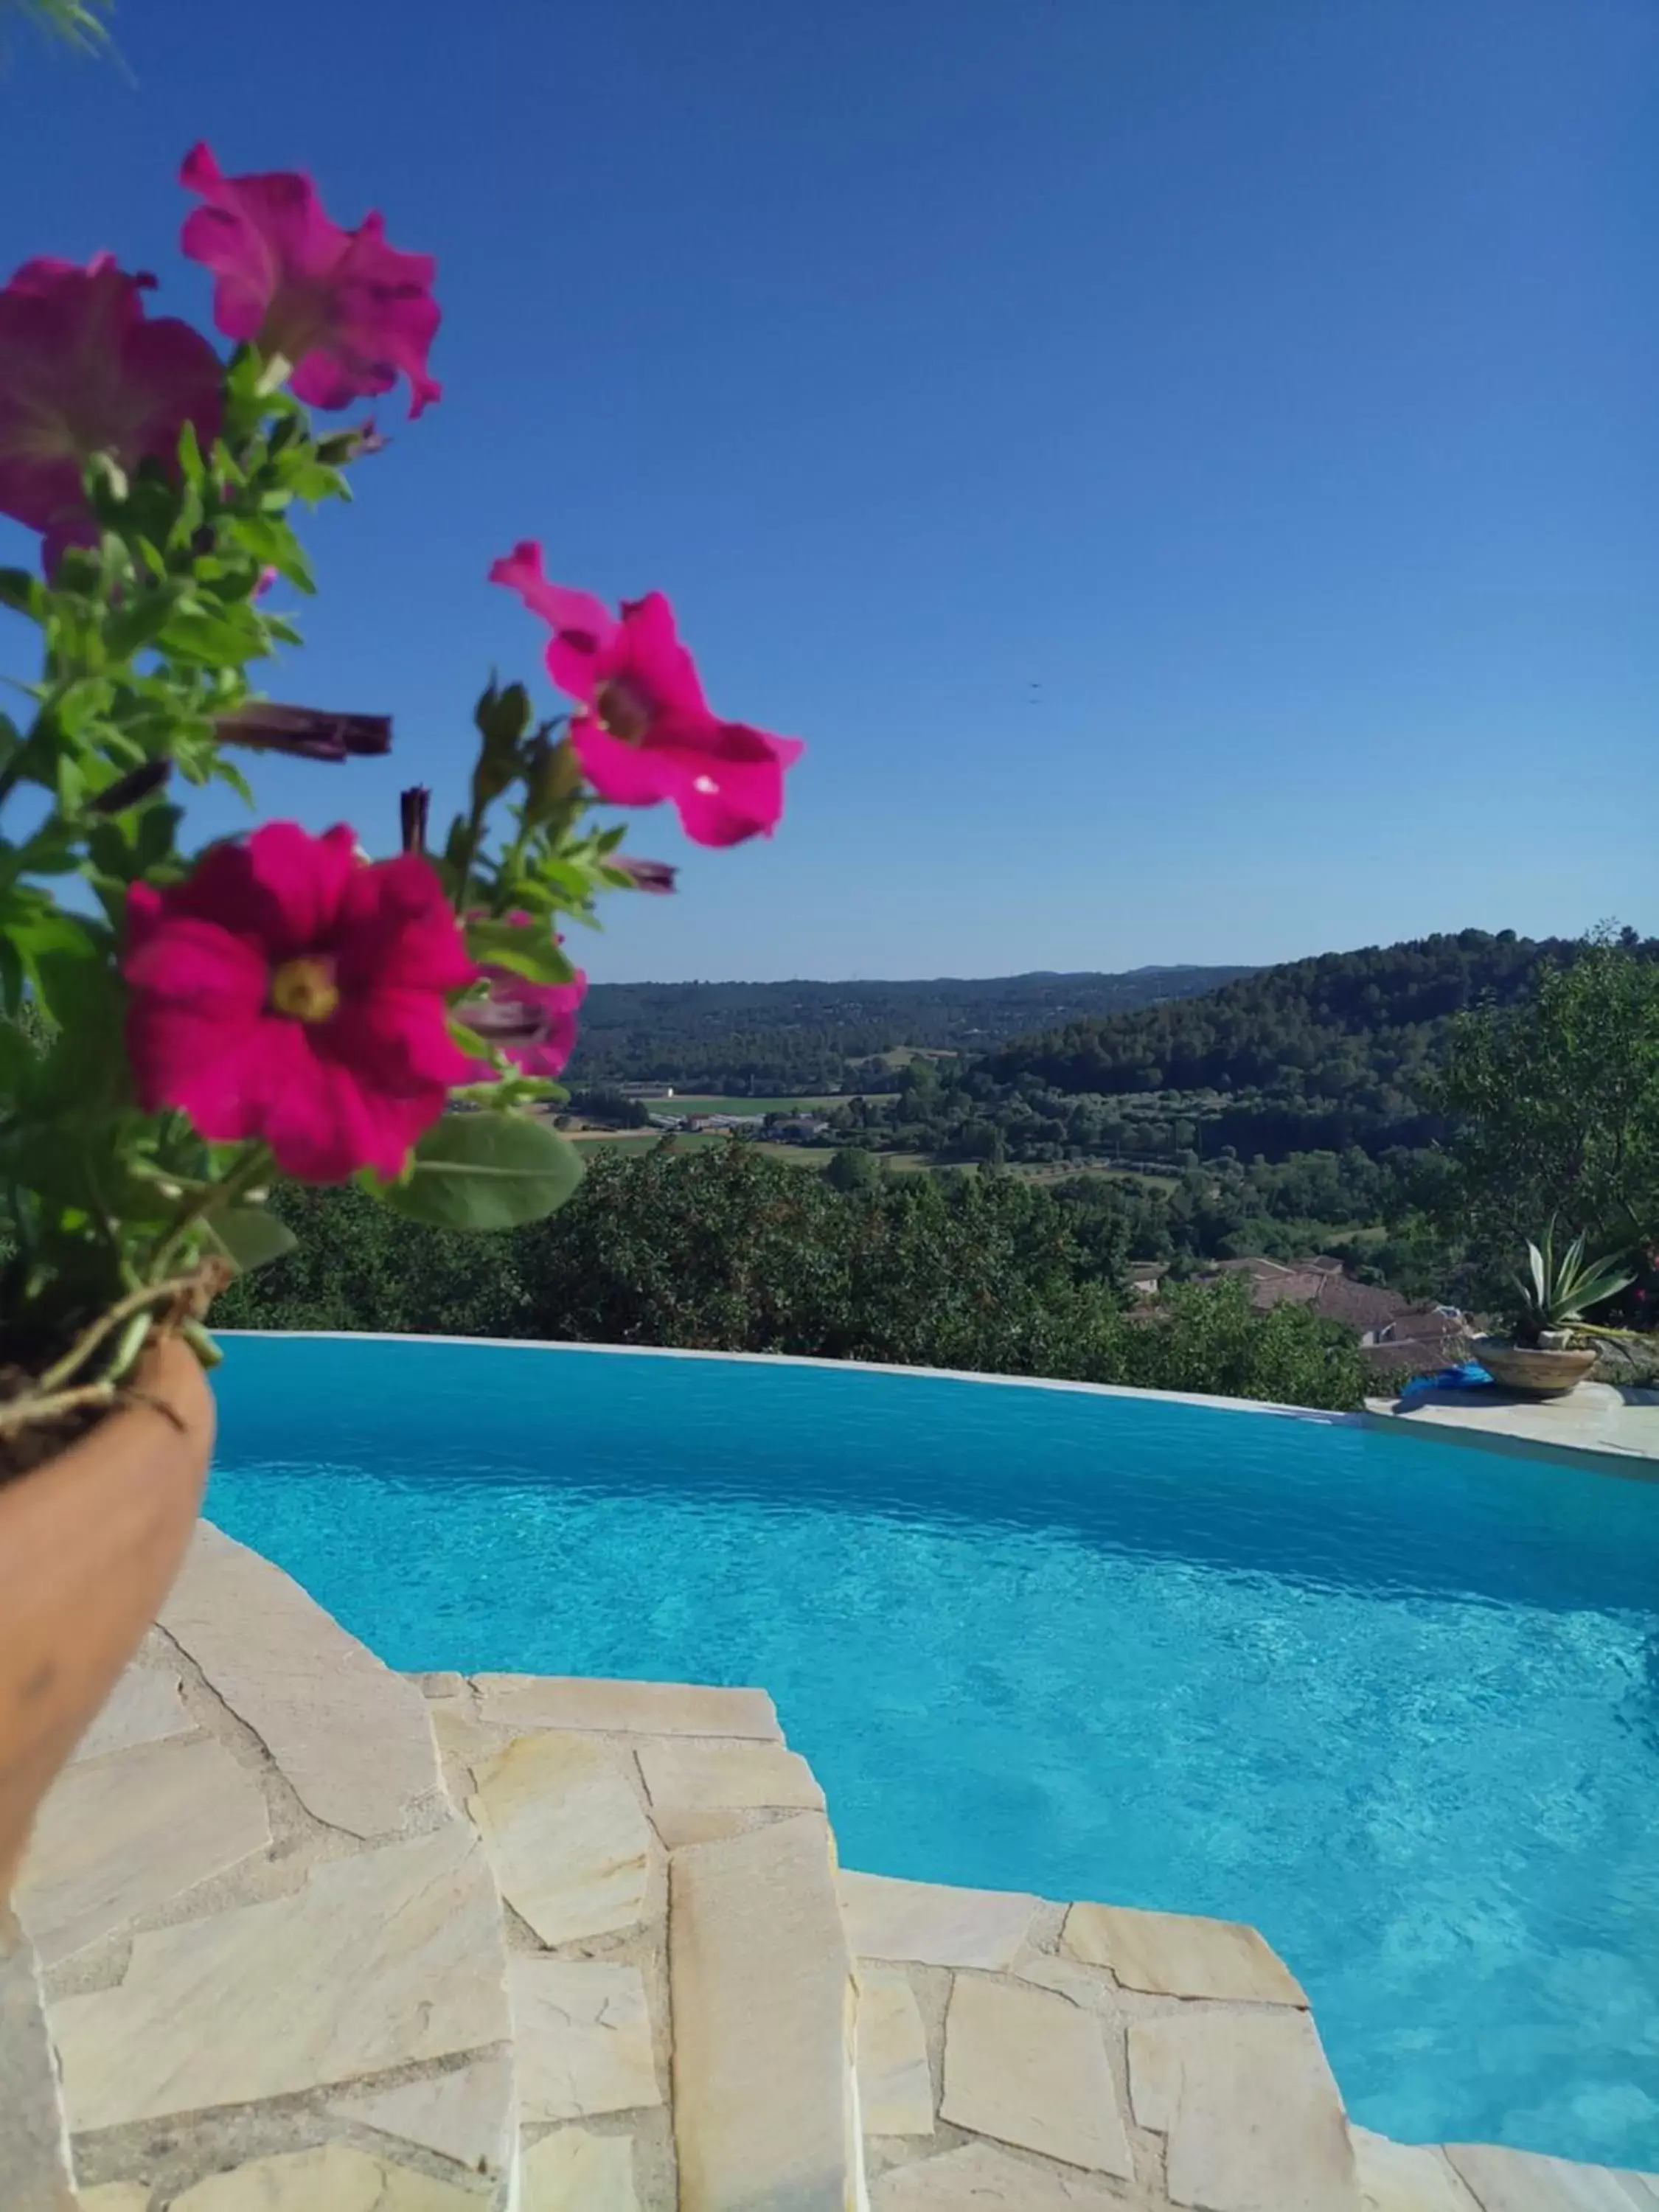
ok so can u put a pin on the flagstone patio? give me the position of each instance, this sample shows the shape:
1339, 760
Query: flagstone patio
316, 1937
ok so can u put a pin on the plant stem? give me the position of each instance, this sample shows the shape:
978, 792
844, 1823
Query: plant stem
475, 825
94, 1333
254, 1167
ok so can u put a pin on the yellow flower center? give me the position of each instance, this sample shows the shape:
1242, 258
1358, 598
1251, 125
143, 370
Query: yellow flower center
305, 989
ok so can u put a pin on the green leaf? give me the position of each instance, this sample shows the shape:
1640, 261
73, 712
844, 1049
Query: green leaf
486, 1171
20, 590
532, 953
251, 1236
192, 465
142, 621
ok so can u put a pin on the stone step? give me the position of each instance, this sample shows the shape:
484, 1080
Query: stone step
761, 1976
1015, 2055
275, 1955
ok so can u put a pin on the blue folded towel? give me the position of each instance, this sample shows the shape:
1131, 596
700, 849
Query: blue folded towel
1470, 1376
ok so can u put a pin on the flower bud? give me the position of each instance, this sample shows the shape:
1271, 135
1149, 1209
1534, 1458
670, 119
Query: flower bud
553, 776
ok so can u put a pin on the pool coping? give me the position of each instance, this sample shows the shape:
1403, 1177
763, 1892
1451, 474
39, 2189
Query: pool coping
1320, 1415
1458, 1420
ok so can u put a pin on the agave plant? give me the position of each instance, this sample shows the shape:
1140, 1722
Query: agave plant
1560, 1288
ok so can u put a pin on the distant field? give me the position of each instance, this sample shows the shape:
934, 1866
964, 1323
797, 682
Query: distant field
803, 1103
696, 1103
647, 1140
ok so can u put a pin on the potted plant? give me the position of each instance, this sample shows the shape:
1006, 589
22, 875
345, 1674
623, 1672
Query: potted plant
1538, 1356
180, 1026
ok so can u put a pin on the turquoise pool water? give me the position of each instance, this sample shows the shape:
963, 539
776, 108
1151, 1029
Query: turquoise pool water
1397, 1703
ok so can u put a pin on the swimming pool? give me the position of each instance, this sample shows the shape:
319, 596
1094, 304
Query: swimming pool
1394, 1703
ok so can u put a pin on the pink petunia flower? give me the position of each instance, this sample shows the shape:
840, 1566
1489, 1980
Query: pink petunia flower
290, 991
646, 733
349, 312
82, 372
533, 1024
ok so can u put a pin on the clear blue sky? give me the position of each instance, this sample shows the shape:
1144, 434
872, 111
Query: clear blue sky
1275, 383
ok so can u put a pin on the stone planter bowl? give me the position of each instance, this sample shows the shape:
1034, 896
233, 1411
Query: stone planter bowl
1532, 1371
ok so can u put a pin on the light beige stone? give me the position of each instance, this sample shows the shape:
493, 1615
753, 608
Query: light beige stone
1174, 1956
381, 1959
459, 1734
333, 2179
467, 2116
762, 1998
120, 1836
1521, 2181
1090, 1987
1155, 2072
979, 2178
1030, 2067
896, 2091
1406, 2178
685, 1777
351, 1737
440, 1684
143, 1707
1255, 2121
566, 1836
115, 2196
557, 1701
34, 2153
582, 2038
935, 1925
577, 2171
679, 1824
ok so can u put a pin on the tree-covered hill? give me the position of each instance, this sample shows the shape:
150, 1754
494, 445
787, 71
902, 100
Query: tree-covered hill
765, 1037
1378, 1016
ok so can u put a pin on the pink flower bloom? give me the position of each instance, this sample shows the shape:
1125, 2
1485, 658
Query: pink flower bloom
646, 733
347, 310
82, 372
289, 990
533, 1024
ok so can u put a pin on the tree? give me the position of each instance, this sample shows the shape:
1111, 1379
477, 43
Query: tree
1554, 1107
852, 1169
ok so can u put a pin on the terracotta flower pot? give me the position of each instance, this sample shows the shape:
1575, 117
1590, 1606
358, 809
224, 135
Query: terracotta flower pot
1532, 1370
89, 1544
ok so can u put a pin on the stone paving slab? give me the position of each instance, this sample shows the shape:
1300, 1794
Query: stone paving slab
1178, 1956
1521, 2181
686, 1779
761, 1999
1406, 2178
379, 1961
552, 1701
351, 1737
34, 2160
931, 1924
1253, 2118
1030, 2067
120, 1837
978, 2178
143, 1707
465, 2116
331, 2179
577, 2171
567, 1838
896, 2089
582, 2038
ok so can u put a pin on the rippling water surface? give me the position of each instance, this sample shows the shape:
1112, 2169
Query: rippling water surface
1397, 1703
